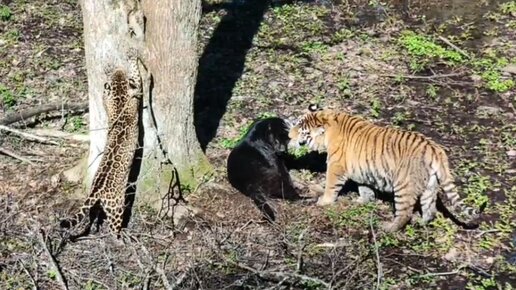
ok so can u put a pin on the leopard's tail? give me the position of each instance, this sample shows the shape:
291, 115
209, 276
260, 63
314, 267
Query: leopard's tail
463, 213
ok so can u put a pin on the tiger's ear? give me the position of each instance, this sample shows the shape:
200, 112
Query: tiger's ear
314, 108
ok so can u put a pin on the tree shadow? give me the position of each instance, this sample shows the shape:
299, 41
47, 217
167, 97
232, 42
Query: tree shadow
222, 63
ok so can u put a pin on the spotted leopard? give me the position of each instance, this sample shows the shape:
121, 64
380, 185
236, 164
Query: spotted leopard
121, 99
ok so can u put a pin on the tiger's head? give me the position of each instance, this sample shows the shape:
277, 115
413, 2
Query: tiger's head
309, 130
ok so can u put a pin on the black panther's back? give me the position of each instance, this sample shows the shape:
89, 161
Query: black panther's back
256, 168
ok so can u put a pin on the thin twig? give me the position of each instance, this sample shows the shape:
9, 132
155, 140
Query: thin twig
448, 42
421, 77
439, 274
34, 283
486, 232
302, 246
28, 136
378, 263
60, 278
23, 115
15, 156
163, 276
179, 280
279, 274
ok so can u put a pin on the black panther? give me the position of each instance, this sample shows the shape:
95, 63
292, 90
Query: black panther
257, 164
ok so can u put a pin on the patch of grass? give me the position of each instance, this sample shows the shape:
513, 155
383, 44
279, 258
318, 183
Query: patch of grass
355, 216
432, 91
489, 68
314, 47
299, 151
7, 96
508, 8
476, 189
12, 35
5, 13
376, 106
400, 117
424, 51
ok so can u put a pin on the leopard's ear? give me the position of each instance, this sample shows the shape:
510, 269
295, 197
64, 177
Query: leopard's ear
314, 108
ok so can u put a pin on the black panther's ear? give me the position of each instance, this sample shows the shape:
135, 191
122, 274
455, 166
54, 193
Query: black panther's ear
314, 108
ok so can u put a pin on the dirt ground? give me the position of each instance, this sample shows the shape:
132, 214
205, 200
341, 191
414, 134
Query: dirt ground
443, 68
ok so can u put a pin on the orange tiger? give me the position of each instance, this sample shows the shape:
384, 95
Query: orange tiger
408, 164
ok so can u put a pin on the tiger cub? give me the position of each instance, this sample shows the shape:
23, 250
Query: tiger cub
408, 164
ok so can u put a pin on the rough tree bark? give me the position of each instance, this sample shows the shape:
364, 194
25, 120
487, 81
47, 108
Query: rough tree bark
167, 42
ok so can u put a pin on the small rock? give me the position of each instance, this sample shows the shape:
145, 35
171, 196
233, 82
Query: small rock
511, 259
476, 78
490, 261
489, 110
511, 153
511, 68
451, 255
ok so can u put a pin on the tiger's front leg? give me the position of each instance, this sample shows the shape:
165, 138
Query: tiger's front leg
334, 179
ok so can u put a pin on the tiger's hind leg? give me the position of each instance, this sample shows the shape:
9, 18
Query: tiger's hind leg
428, 200
366, 194
404, 201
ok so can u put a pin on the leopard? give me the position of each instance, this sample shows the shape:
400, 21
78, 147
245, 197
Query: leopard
121, 99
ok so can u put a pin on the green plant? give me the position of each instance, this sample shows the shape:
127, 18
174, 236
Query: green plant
423, 50
8, 98
431, 91
508, 8
310, 47
376, 105
356, 215
5, 12
489, 68
299, 151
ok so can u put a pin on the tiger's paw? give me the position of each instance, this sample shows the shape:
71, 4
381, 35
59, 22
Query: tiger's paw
390, 227
363, 200
322, 201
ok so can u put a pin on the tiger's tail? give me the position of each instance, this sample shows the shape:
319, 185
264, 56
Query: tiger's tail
464, 213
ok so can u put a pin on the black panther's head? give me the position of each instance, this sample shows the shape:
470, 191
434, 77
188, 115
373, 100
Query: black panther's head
273, 131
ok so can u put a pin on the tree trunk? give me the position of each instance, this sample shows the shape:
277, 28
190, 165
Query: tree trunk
167, 46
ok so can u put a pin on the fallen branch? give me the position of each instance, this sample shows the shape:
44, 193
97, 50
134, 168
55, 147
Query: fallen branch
378, 263
445, 40
34, 283
23, 115
28, 136
486, 232
421, 77
15, 156
280, 276
60, 134
60, 278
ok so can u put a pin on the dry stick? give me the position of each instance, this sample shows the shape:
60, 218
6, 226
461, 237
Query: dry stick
278, 274
59, 275
378, 263
34, 283
421, 77
23, 115
179, 280
300, 241
164, 278
28, 136
15, 156
445, 40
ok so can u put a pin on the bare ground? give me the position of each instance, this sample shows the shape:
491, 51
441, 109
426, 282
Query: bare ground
258, 60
